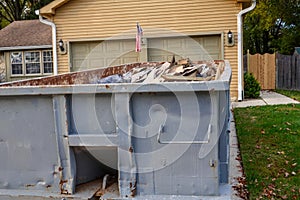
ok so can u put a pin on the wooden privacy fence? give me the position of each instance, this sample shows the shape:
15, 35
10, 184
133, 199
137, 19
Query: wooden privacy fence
288, 71
275, 71
263, 68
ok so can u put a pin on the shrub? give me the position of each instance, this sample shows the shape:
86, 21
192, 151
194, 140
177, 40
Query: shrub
251, 86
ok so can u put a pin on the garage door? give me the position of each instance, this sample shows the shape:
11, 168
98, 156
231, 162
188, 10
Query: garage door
88, 55
195, 48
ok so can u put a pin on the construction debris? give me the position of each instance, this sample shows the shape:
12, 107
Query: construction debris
183, 70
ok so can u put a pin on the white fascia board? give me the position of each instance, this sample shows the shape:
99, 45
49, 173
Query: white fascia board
25, 47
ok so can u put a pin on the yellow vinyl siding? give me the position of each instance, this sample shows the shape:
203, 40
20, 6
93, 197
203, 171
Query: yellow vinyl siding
81, 19
98, 19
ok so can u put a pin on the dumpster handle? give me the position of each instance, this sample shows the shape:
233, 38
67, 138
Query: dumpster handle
160, 131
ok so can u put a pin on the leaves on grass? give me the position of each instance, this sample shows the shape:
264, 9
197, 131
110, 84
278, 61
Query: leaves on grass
241, 188
270, 147
288, 123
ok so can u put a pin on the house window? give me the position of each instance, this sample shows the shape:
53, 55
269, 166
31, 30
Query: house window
48, 61
31, 63
16, 63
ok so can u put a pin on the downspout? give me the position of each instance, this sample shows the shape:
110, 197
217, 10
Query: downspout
240, 49
54, 47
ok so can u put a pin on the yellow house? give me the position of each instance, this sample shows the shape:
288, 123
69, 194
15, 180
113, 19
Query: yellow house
98, 33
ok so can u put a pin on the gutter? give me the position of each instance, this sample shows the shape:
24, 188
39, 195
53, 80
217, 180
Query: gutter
54, 47
25, 47
240, 49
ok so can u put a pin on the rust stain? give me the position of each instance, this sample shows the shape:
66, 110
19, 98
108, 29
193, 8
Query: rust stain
132, 189
107, 86
29, 185
61, 184
81, 77
131, 149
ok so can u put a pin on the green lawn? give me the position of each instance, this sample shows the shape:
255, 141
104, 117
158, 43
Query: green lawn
269, 138
290, 93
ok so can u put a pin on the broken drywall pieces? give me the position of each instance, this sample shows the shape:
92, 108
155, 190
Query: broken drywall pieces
183, 70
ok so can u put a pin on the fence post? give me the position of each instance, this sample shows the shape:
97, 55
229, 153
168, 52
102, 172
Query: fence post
297, 72
248, 59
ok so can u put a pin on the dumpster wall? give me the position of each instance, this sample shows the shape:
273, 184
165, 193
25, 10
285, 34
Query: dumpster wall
158, 139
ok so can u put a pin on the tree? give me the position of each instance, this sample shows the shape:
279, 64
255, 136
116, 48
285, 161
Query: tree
13, 10
273, 26
35, 5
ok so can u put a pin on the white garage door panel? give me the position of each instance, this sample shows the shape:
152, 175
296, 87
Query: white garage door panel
88, 55
196, 48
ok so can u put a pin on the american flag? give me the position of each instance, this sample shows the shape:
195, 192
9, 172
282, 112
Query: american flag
138, 38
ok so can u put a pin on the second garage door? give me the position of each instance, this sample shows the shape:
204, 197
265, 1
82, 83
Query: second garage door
195, 48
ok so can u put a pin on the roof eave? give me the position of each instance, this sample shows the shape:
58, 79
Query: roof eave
25, 47
49, 9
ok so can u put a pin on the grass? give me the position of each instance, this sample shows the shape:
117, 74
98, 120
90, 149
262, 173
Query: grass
269, 138
290, 93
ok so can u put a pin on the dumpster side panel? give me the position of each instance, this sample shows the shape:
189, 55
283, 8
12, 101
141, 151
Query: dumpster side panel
175, 168
28, 150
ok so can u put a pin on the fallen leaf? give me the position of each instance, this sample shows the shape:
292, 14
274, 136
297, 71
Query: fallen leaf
286, 162
294, 164
280, 152
258, 146
284, 197
262, 131
293, 190
287, 129
269, 165
286, 174
288, 123
294, 173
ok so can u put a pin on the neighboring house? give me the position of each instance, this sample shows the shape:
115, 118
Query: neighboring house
25, 50
98, 33
297, 51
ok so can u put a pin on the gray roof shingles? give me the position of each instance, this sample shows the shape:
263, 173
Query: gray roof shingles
25, 33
